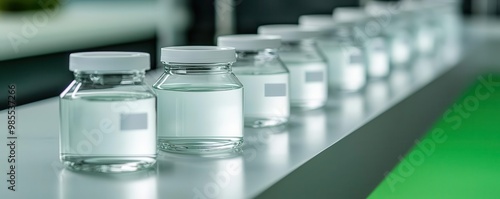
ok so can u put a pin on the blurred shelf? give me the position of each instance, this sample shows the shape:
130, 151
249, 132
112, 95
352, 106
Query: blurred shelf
77, 25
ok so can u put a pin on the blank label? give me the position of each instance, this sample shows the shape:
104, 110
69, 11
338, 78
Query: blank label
316, 76
378, 46
355, 59
274, 90
133, 121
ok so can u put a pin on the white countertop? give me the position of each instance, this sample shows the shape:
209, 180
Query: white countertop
268, 154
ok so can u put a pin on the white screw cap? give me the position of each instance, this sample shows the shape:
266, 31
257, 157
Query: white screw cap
378, 8
198, 54
322, 22
109, 61
349, 14
250, 42
288, 32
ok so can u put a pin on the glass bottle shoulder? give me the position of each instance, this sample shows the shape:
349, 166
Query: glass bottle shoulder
301, 52
197, 82
108, 87
79, 90
258, 64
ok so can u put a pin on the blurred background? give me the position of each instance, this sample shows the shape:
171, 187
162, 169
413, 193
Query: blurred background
37, 36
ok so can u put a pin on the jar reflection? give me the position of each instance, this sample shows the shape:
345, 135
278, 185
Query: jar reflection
273, 141
377, 92
352, 109
109, 186
202, 177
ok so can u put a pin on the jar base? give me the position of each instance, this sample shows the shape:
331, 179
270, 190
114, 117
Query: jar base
264, 122
309, 105
199, 145
108, 164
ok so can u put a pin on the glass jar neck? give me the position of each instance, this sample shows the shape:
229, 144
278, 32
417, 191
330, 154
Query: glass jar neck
345, 31
351, 34
262, 55
110, 77
301, 44
197, 68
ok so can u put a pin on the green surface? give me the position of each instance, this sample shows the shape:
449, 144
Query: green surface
459, 157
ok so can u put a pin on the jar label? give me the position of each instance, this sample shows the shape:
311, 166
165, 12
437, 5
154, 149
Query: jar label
133, 121
378, 44
314, 76
355, 58
275, 90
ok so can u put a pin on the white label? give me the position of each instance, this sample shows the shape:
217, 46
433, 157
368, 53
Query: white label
133, 121
200, 114
275, 90
265, 95
108, 127
300, 89
377, 44
355, 58
314, 76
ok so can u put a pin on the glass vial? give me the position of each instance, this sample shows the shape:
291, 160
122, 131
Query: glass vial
305, 62
447, 19
396, 26
347, 67
108, 117
353, 55
367, 33
264, 77
200, 100
425, 34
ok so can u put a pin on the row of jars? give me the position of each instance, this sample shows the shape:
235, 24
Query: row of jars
368, 43
112, 121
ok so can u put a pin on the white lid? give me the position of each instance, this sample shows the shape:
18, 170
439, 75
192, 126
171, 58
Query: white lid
322, 22
377, 8
108, 61
288, 32
250, 42
349, 14
198, 54
414, 6
381, 4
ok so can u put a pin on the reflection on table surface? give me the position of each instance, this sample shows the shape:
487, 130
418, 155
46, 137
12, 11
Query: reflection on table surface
124, 185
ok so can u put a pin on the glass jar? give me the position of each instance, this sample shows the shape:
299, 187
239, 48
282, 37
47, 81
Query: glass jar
108, 117
426, 34
395, 25
367, 33
305, 62
453, 25
347, 68
264, 77
447, 21
200, 100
